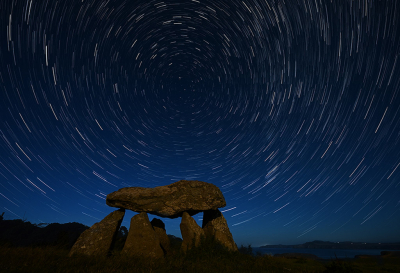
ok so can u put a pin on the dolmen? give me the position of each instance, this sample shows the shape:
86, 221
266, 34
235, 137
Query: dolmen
146, 239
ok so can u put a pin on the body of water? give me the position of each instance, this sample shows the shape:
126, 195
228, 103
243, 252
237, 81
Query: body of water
321, 253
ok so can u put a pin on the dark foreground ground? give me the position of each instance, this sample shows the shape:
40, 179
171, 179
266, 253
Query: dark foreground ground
210, 257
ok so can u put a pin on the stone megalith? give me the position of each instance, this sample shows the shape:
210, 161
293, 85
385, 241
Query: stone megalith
142, 240
98, 239
161, 233
214, 224
171, 200
191, 232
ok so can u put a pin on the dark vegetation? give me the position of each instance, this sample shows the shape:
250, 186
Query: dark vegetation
45, 249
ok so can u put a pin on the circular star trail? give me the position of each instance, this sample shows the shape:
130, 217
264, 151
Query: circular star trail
290, 107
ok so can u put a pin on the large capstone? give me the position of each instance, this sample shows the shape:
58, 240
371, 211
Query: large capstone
97, 240
171, 200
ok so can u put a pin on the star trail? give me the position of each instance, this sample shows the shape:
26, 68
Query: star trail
290, 107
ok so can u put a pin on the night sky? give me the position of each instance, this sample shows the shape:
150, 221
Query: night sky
290, 107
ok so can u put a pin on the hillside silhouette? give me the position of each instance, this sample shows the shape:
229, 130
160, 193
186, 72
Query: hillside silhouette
20, 233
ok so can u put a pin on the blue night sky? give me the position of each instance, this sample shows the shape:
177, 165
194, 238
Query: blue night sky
290, 107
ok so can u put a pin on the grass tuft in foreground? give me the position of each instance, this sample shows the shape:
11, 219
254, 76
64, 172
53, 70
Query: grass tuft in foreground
210, 256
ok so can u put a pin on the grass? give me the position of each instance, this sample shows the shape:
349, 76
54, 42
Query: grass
208, 257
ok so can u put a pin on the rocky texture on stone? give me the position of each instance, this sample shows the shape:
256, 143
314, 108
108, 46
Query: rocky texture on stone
191, 232
97, 240
142, 240
214, 224
161, 233
150, 240
171, 200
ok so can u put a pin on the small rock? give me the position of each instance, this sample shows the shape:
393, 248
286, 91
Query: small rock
98, 239
214, 224
191, 232
142, 240
161, 233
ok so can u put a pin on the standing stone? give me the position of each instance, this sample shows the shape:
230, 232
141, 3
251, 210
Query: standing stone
169, 201
97, 240
142, 240
161, 233
191, 232
214, 224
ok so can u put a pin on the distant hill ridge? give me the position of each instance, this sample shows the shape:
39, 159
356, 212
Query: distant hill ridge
317, 244
20, 233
